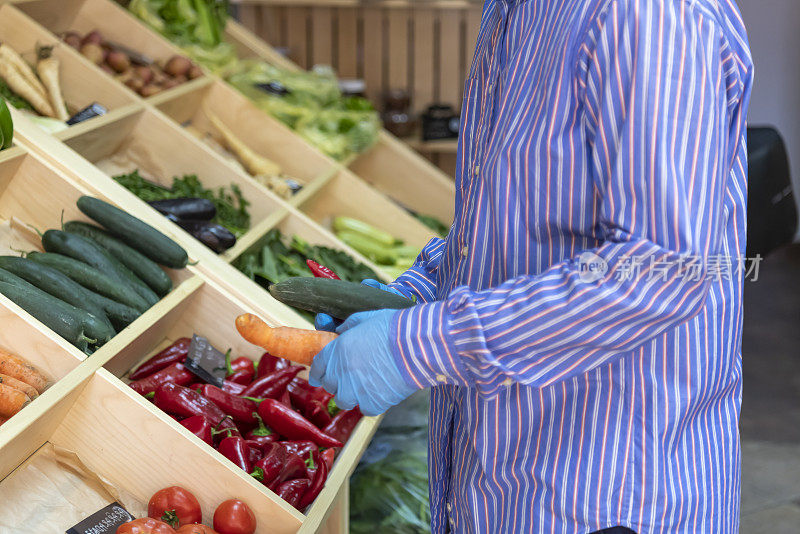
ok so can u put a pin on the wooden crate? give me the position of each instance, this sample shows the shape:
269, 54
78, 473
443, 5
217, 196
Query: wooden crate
82, 83
90, 411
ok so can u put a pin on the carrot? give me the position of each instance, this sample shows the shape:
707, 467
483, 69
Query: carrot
21, 79
27, 389
18, 368
47, 68
252, 162
11, 400
294, 344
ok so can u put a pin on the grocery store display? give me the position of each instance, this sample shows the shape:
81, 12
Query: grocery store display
138, 72
263, 417
91, 283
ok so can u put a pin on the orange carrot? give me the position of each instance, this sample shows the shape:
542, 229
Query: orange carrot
11, 400
294, 344
18, 368
27, 389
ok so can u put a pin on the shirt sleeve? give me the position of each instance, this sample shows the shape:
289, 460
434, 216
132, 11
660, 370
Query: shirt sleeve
656, 85
420, 280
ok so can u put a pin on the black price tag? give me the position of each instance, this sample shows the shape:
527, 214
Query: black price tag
105, 521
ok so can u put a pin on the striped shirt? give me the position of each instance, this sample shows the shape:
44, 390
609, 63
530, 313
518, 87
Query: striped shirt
572, 392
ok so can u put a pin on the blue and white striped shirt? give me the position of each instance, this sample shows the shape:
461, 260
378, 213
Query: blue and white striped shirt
571, 392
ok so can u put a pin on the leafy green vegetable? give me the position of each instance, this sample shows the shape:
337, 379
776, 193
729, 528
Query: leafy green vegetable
200, 22
231, 205
391, 495
433, 223
12, 98
314, 106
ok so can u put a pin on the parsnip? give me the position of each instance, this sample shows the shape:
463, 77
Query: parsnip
19, 77
12, 56
47, 68
252, 162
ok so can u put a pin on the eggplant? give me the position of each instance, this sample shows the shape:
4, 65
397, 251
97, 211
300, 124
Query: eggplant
216, 237
189, 209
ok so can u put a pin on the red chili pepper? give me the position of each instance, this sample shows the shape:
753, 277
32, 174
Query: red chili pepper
261, 433
312, 402
293, 467
286, 399
176, 373
241, 363
343, 424
328, 456
320, 475
320, 271
200, 427
272, 385
186, 402
237, 451
240, 409
292, 491
268, 364
243, 377
233, 388
302, 448
291, 424
267, 469
256, 451
176, 352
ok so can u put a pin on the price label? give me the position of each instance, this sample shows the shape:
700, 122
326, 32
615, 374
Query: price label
103, 521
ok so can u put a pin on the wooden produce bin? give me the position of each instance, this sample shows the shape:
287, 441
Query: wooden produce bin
82, 83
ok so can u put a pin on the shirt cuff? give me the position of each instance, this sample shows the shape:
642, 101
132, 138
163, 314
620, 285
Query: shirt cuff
424, 348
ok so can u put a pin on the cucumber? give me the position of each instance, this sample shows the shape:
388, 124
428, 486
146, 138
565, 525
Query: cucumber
119, 314
90, 278
80, 248
146, 269
134, 232
337, 298
65, 320
57, 284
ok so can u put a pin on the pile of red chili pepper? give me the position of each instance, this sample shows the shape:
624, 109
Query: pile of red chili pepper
265, 419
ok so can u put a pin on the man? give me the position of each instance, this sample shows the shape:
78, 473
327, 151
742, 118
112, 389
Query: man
580, 326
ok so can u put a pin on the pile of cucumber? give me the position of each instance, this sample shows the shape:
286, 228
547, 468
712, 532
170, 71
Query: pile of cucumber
92, 282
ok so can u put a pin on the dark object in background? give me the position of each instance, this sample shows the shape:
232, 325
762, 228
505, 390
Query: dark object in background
214, 236
396, 116
771, 209
89, 112
440, 122
200, 209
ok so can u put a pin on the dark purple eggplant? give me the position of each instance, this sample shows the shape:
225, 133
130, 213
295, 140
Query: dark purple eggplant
216, 237
189, 209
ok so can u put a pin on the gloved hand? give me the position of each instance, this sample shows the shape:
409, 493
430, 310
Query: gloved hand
325, 322
359, 367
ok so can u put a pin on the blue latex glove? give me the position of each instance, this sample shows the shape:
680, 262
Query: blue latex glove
323, 321
359, 367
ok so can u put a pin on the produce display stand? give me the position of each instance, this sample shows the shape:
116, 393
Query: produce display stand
390, 166
89, 409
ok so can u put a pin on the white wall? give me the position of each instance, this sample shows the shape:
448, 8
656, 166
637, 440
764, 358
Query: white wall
773, 27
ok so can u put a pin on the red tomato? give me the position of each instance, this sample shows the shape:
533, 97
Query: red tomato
175, 506
196, 529
234, 517
145, 525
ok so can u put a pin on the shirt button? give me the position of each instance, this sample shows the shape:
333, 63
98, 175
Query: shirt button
476, 170
464, 251
507, 382
441, 378
449, 507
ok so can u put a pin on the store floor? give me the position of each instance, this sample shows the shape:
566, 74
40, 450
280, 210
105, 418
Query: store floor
770, 423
